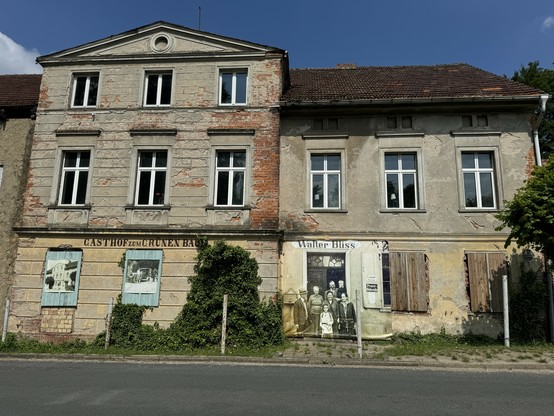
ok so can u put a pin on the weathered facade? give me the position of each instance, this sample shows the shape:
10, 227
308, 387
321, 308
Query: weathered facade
144, 141
18, 100
400, 172
372, 188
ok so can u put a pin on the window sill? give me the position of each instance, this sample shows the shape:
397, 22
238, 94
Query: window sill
399, 133
475, 132
86, 207
402, 211
477, 210
228, 208
326, 211
148, 207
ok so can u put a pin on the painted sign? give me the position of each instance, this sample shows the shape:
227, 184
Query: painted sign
325, 244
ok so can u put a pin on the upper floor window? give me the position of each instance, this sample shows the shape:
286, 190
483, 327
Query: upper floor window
157, 89
151, 178
74, 177
325, 124
475, 121
85, 90
325, 174
399, 122
478, 177
230, 177
401, 180
233, 87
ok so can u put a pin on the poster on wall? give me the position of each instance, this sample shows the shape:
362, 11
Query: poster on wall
61, 277
141, 277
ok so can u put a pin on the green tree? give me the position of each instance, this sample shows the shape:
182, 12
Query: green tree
530, 214
543, 79
224, 269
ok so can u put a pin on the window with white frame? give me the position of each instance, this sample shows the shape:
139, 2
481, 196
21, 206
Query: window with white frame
401, 180
233, 87
74, 177
325, 176
61, 277
85, 90
230, 177
478, 178
151, 177
157, 89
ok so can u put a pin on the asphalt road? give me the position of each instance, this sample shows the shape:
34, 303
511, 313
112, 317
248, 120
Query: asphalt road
44, 388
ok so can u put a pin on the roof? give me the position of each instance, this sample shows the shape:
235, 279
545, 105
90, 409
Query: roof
400, 82
19, 90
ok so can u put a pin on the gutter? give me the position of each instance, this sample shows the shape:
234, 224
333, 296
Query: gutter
543, 100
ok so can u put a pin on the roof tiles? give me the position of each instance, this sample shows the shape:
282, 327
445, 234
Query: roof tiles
19, 90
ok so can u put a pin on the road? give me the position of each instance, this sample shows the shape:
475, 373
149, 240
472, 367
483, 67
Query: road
45, 388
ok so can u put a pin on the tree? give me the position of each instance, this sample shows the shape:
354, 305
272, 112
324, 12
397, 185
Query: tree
221, 269
530, 214
543, 79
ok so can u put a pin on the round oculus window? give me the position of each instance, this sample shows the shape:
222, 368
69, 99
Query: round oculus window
161, 43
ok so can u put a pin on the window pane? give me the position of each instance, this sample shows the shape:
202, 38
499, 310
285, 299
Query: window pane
391, 123
92, 91
80, 86
226, 88
146, 159
70, 159
144, 188
470, 190
317, 162
391, 161
484, 160
487, 198
406, 122
467, 121
223, 159
409, 190
81, 188
333, 162
392, 191
159, 188
317, 191
482, 121
240, 92
408, 161
468, 160
152, 91
166, 89
238, 187
85, 159
161, 159
222, 188
67, 191
333, 194
239, 159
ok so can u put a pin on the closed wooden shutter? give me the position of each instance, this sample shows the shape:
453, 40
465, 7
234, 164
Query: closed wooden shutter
409, 285
485, 272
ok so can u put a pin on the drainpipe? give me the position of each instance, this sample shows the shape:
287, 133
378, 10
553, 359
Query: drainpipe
543, 100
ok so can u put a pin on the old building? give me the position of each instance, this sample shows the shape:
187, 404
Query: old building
145, 140
399, 173
18, 101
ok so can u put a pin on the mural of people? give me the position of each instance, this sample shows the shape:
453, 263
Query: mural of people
333, 305
326, 322
347, 317
340, 290
332, 289
300, 313
315, 303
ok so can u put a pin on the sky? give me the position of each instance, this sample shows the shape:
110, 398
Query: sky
498, 36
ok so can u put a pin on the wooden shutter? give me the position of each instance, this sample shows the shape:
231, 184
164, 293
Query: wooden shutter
70, 262
409, 286
132, 293
485, 272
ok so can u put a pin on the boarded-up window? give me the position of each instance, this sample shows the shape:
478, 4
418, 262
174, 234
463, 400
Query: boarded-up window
409, 282
484, 271
61, 277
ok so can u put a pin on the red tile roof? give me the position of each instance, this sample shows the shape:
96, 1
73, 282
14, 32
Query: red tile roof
400, 82
19, 90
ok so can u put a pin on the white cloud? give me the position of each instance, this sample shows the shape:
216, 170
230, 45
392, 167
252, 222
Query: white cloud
547, 23
16, 59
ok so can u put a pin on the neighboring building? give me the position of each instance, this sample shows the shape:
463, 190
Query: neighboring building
144, 141
18, 101
384, 181
399, 172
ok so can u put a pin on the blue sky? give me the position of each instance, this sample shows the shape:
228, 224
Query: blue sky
496, 35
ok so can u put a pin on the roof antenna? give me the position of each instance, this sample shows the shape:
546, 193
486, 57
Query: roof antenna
199, 16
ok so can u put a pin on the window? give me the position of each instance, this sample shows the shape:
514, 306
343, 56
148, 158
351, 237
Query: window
475, 121
478, 177
393, 122
157, 89
233, 87
405, 281
74, 178
151, 178
85, 90
484, 273
61, 277
401, 180
325, 180
141, 278
230, 176
325, 124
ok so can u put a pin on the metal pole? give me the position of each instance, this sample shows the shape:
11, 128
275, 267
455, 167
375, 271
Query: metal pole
359, 324
224, 324
506, 310
108, 324
6, 317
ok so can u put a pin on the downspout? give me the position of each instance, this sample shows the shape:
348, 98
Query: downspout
543, 100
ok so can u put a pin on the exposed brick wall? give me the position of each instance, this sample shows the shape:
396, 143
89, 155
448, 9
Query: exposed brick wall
57, 320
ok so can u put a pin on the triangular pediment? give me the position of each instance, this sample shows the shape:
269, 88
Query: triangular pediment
159, 40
